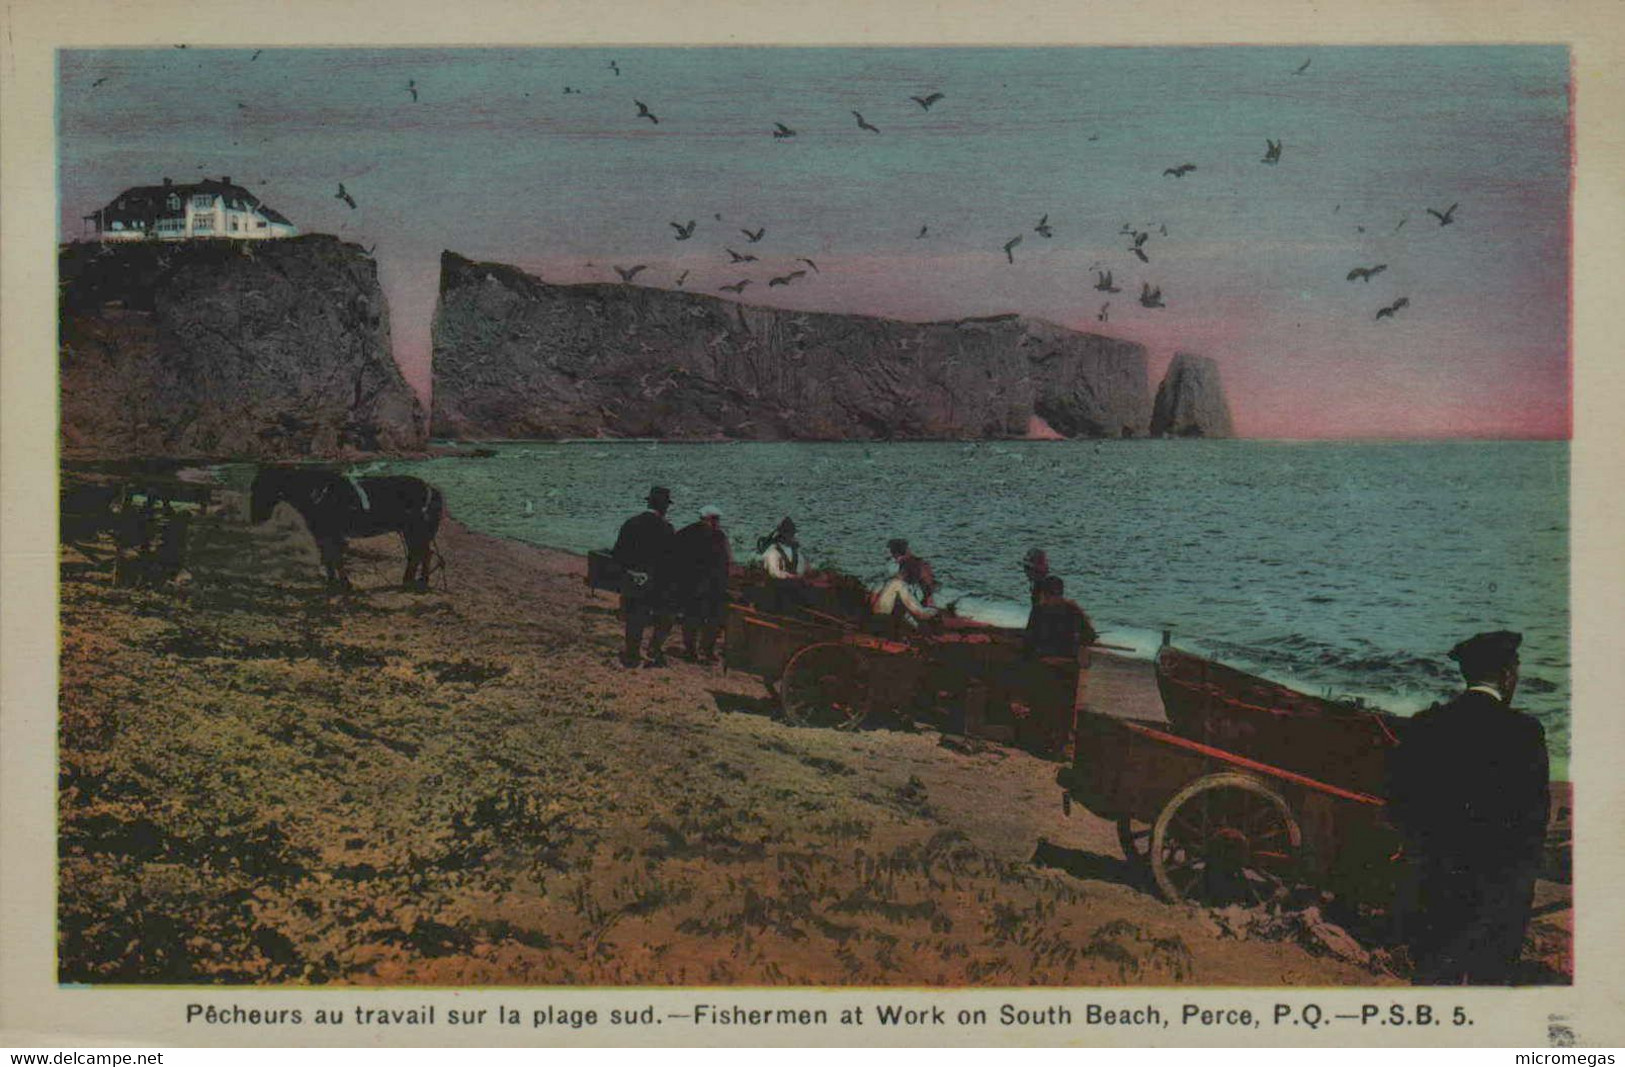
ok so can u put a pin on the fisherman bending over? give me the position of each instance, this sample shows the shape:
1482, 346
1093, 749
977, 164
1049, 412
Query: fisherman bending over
914, 570
1469, 792
643, 550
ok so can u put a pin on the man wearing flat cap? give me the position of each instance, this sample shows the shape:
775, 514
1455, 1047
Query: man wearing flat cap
644, 551
1468, 790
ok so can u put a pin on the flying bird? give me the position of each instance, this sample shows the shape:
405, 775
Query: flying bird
786, 279
925, 102
344, 195
1137, 250
1365, 274
737, 258
568, 91
754, 235
1149, 297
628, 273
681, 278
1103, 282
921, 234
1101, 314
1272, 154
781, 131
97, 82
1388, 312
645, 113
256, 54
737, 287
1009, 247
1305, 66
615, 67
1180, 171
1043, 227
412, 87
864, 125
1402, 222
1448, 217
683, 232
810, 263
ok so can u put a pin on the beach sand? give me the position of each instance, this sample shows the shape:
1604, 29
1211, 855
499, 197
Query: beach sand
261, 783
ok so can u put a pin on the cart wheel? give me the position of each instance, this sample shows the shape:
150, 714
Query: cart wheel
1223, 838
1136, 844
825, 685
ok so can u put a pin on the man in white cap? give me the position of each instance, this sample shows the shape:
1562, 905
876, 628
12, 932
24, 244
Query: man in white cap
703, 560
1468, 789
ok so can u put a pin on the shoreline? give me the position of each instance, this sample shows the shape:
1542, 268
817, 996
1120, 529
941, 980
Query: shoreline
462, 788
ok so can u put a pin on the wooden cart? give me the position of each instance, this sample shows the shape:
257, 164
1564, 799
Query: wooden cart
1218, 826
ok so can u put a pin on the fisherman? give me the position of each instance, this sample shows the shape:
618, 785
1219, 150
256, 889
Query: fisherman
1036, 567
643, 550
1054, 652
894, 608
915, 571
1469, 792
703, 561
786, 567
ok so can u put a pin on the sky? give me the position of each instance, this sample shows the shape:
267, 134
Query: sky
494, 160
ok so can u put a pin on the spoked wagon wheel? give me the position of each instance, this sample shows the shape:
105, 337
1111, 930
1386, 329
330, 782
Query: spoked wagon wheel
1225, 838
825, 685
1136, 844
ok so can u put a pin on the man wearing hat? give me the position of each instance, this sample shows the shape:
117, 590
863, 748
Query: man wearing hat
644, 551
786, 566
914, 570
1035, 565
1468, 790
703, 561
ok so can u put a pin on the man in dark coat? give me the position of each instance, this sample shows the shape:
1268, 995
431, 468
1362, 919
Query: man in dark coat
1468, 790
643, 550
1049, 676
703, 560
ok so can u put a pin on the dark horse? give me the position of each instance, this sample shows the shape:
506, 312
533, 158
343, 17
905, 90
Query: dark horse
335, 507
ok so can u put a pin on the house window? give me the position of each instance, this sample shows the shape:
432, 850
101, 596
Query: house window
174, 202
233, 225
203, 200
202, 222
259, 225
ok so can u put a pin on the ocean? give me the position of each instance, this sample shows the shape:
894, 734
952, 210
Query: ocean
1345, 569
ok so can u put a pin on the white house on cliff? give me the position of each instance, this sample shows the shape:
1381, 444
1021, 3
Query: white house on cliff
171, 212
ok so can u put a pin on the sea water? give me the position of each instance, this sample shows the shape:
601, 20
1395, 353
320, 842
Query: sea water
1338, 568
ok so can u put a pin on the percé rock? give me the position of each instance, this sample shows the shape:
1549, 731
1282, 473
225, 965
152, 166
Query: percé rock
517, 357
270, 350
1190, 401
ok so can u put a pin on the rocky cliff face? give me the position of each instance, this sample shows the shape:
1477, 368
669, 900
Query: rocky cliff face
205, 349
1190, 401
517, 357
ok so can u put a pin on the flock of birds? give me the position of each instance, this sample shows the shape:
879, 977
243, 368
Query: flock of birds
1138, 239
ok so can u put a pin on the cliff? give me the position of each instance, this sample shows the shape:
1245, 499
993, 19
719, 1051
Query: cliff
1190, 401
515, 356
280, 349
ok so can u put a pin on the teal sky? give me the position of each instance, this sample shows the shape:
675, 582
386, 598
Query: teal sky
495, 161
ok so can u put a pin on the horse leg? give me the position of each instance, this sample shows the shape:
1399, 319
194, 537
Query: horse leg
332, 550
415, 553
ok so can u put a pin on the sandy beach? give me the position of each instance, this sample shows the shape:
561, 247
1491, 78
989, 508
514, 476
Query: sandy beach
262, 783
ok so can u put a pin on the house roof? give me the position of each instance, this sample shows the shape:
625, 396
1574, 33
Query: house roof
142, 205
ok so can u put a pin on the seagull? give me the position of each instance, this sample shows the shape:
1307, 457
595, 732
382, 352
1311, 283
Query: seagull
1402, 222
737, 287
97, 82
925, 102
681, 278
1447, 218
864, 125
1137, 250
613, 66
1305, 66
645, 113
1101, 314
1149, 297
1043, 227
1388, 312
737, 258
628, 273
785, 279
1272, 155
344, 195
810, 263
754, 235
412, 87
922, 231
683, 232
1009, 246
1365, 274
781, 131
1180, 171
256, 54
568, 91
1104, 282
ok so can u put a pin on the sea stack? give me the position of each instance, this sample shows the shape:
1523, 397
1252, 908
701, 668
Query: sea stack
1190, 401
